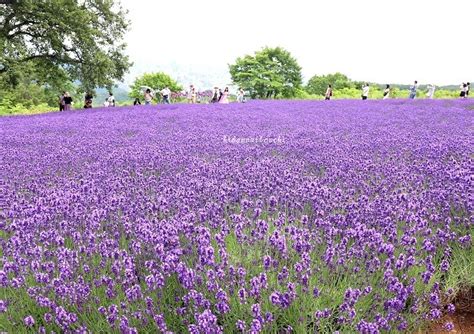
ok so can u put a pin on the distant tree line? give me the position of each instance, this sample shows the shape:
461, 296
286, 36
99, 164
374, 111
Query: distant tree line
52, 46
274, 73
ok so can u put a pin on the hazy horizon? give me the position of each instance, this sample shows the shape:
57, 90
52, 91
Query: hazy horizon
368, 40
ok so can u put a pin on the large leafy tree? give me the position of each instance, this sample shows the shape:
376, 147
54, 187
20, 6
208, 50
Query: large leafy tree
156, 81
63, 40
269, 73
319, 83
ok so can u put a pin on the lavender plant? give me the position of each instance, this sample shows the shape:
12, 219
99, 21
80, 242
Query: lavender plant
145, 220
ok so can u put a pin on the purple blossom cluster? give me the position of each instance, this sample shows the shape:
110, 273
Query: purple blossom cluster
143, 220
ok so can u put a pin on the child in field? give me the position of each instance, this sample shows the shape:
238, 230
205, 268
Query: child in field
137, 102
106, 103
413, 90
468, 89
365, 91
386, 92
328, 94
431, 91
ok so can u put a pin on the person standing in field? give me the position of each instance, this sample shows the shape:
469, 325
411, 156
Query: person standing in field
413, 90
88, 100
111, 100
61, 101
328, 94
241, 96
106, 103
365, 91
431, 91
468, 89
192, 94
463, 90
224, 98
165, 93
148, 96
386, 92
67, 101
215, 95
137, 102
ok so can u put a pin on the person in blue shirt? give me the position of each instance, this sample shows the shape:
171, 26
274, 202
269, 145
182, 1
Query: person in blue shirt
413, 90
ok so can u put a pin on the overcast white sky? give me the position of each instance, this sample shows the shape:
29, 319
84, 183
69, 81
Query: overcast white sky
395, 41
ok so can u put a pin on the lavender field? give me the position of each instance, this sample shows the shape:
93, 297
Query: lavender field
273, 217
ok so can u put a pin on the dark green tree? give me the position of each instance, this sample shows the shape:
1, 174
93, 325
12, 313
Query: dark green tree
319, 83
270, 73
63, 40
158, 80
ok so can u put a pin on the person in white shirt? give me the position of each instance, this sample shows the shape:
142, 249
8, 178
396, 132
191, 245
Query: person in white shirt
106, 103
464, 90
386, 92
328, 94
241, 96
111, 100
148, 96
365, 91
431, 91
166, 93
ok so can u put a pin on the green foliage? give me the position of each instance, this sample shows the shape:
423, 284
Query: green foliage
7, 109
157, 81
62, 40
318, 84
270, 73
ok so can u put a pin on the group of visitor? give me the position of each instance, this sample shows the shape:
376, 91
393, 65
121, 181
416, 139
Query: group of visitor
222, 96
219, 96
413, 90
150, 94
192, 96
465, 87
65, 101
110, 101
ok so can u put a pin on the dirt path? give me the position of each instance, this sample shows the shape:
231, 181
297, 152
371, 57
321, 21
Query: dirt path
462, 319
463, 324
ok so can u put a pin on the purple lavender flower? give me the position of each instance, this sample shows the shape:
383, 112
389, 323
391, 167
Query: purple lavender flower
29, 321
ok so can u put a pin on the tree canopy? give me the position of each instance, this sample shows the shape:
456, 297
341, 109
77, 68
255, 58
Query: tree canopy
63, 40
158, 80
318, 84
269, 73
